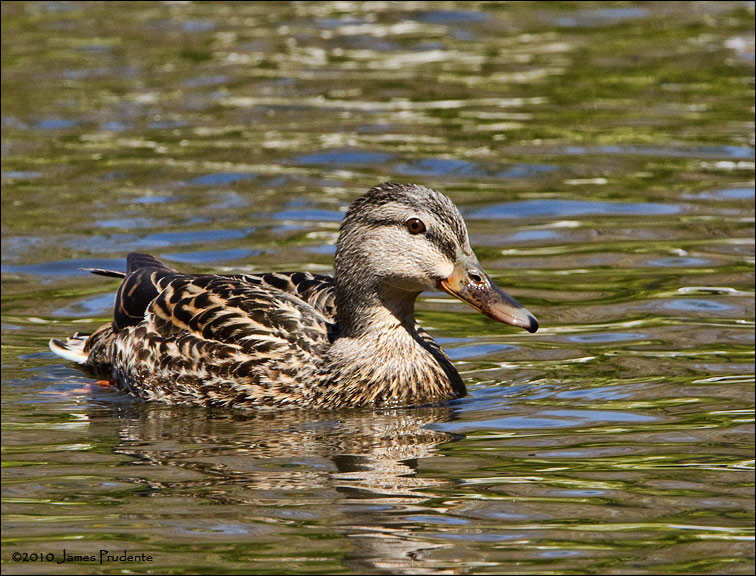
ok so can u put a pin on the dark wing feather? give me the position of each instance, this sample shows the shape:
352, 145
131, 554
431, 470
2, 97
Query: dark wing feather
135, 261
145, 278
318, 290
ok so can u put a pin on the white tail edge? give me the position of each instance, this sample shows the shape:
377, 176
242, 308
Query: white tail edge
72, 349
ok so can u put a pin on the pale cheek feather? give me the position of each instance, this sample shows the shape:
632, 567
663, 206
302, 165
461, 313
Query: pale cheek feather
445, 269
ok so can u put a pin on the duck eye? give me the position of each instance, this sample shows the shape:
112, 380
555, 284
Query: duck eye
415, 226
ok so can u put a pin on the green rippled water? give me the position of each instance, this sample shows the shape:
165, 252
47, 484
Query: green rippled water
602, 154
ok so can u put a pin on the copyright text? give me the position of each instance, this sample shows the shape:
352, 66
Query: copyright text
101, 557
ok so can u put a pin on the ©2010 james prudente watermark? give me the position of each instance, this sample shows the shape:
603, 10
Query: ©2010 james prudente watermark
102, 557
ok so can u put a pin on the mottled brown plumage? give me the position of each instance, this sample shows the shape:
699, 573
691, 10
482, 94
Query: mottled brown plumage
300, 339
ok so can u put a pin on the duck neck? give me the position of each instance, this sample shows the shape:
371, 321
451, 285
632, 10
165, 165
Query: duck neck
365, 313
382, 357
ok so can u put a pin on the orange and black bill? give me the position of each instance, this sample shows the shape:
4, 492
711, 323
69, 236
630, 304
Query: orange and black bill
470, 283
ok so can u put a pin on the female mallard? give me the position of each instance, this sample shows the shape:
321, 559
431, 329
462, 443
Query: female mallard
302, 339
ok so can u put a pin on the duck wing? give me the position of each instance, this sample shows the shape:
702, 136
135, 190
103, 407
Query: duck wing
146, 277
216, 339
212, 339
318, 290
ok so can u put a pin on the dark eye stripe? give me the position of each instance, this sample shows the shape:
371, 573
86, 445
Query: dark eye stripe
446, 245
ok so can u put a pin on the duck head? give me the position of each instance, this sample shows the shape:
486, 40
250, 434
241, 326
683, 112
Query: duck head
399, 240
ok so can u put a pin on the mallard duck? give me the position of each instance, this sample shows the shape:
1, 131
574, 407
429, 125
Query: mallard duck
302, 339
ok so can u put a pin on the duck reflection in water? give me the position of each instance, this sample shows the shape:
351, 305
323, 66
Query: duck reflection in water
352, 469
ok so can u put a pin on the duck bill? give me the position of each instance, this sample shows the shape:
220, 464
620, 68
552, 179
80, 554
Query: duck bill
471, 284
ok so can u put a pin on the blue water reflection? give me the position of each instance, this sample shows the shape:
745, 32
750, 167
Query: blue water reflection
570, 208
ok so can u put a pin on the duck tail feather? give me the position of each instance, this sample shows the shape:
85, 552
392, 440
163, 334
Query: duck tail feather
103, 272
72, 349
